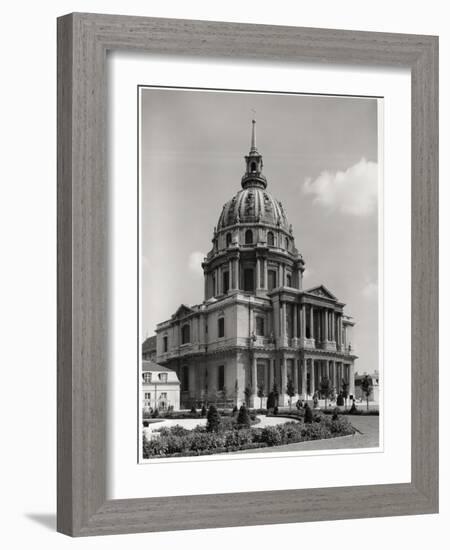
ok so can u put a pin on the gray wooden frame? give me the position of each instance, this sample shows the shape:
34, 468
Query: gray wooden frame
83, 41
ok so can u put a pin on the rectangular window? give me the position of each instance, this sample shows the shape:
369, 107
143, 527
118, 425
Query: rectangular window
221, 327
272, 279
249, 284
226, 282
147, 377
147, 396
165, 344
260, 326
221, 377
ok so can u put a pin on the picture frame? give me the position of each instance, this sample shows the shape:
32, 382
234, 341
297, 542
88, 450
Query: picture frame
83, 309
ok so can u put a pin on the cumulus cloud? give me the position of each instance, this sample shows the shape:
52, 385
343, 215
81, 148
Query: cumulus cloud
351, 192
195, 262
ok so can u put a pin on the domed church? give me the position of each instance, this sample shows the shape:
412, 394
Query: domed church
257, 328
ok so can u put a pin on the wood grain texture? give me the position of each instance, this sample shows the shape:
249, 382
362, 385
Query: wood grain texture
83, 319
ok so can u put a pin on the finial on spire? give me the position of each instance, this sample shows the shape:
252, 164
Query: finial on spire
253, 144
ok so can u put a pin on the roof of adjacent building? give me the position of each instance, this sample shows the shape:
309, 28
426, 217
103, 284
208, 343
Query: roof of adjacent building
151, 366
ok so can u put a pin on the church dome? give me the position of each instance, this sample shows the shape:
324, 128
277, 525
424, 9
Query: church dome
253, 205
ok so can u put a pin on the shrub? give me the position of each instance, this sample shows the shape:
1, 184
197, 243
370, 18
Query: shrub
336, 412
340, 400
243, 419
275, 410
353, 409
203, 413
271, 436
155, 413
213, 419
193, 410
308, 414
234, 411
145, 423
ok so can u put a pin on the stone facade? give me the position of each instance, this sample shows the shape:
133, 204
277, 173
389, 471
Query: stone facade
257, 327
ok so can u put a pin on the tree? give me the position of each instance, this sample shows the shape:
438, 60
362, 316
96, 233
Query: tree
326, 389
261, 393
213, 420
203, 413
247, 394
344, 391
366, 386
290, 390
243, 419
276, 394
308, 414
270, 401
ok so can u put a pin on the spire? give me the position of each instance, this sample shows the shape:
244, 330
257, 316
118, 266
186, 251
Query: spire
253, 144
253, 176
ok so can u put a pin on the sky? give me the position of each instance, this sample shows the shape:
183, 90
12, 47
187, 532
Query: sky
320, 160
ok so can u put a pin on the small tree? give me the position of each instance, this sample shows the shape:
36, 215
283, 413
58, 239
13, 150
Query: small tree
203, 413
261, 393
276, 394
290, 390
344, 391
308, 414
243, 419
366, 386
325, 389
340, 400
247, 394
213, 420
270, 401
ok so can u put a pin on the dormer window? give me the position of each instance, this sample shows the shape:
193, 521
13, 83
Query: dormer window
162, 377
147, 377
249, 236
270, 238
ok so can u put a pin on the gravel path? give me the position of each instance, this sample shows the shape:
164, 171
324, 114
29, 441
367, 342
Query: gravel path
366, 437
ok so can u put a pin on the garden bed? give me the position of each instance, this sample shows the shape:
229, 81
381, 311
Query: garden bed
177, 441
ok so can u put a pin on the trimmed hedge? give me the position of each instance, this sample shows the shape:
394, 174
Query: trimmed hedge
177, 441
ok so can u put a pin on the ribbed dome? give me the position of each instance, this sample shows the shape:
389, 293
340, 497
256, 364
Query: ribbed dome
252, 205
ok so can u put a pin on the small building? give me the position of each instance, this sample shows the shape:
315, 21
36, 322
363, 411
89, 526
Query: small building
160, 388
374, 383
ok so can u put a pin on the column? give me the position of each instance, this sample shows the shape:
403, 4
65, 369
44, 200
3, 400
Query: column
230, 275
237, 274
333, 367
283, 378
296, 365
351, 376
271, 373
303, 321
311, 322
258, 273
254, 377
294, 314
313, 378
265, 274
280, 276
283, 319
328, 370
325, 336
304, 375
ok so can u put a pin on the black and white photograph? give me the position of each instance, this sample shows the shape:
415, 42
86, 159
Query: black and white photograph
259, 275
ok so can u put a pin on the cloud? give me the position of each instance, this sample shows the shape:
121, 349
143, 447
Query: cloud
195, 262
370, 290
351, 192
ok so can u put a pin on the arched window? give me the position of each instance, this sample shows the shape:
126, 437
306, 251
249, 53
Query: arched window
270, 239
287, 243
228, 239
185, 334
289, 280
249, 236
253, 167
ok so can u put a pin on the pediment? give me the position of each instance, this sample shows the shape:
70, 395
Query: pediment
323, 292
182, 311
